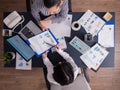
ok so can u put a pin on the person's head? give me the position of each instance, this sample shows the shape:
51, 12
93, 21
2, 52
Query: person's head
52, 5
63, 73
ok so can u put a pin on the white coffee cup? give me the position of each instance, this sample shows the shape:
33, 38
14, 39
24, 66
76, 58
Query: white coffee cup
76, 26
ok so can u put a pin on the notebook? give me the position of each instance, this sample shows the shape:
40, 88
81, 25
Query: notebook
29, 30
21, 47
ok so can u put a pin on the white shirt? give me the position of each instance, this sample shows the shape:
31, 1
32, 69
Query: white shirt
50, 66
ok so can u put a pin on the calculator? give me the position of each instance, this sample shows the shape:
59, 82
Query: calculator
79, 45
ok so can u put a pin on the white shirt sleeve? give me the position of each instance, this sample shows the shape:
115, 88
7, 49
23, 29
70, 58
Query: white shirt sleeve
50, 71
69, 59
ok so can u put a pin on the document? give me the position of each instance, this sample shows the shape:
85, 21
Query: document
94, 57
62, 29
42, 42
91, 22
22, 64
106, 36
79, 45
62, 43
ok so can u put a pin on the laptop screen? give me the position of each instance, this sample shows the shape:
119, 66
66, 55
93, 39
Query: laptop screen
22, 48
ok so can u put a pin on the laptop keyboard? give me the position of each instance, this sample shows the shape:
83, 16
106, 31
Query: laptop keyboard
27, 32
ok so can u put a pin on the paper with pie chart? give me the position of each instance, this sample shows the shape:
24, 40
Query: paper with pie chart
22, 64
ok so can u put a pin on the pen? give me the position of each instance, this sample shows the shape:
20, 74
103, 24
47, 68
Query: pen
50, 44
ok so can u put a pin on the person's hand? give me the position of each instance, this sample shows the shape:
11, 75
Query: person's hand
61, 2
43, 24
57, 47
45, 54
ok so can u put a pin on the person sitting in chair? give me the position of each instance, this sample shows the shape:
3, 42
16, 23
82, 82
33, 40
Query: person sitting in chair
41, 9
62, 73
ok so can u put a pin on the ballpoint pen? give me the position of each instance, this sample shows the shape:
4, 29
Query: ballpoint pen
49, 43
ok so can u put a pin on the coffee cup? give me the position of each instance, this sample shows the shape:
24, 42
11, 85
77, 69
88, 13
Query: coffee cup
76, 26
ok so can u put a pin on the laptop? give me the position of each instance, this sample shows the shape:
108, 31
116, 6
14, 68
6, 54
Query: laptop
29, 30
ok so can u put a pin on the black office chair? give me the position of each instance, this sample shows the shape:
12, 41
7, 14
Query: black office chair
29, 2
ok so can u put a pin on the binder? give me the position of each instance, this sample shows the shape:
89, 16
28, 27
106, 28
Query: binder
42, 42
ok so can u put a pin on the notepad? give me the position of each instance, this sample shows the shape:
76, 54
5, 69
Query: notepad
106, 35
38, 42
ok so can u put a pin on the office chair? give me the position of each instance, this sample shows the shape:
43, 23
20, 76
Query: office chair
80, 83
29, 3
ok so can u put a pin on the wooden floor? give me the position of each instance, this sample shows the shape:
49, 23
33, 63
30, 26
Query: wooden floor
104, 79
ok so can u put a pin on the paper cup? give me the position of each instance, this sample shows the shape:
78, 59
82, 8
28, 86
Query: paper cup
76, 26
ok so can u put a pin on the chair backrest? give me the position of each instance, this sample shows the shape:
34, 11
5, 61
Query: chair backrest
70, 5
79, 83
29, 2
28, 5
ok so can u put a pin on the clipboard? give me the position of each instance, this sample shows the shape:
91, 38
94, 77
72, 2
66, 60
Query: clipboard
38, 42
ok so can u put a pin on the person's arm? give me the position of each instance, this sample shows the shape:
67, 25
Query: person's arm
35, 9
61, 16
69, 59
50, 71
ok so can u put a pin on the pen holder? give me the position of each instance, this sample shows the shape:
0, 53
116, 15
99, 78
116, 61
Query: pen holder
88, 37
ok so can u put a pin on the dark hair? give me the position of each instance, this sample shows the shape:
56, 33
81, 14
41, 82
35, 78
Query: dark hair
63, 73
51, 3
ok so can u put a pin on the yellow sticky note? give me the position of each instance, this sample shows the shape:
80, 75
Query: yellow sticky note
107, 16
